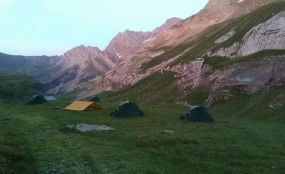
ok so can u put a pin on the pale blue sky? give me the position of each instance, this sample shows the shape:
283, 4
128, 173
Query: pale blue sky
52, 27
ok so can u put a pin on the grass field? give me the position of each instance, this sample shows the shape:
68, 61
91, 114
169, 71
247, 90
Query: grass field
246, 137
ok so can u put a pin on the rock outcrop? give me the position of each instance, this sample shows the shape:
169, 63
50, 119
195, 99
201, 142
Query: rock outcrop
190, 74
265, 36
225, 37
248, 77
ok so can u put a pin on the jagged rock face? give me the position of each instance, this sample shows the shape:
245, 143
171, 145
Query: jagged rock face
126, 43
77, 66
216, 11
265, 36
190, 74
249, 77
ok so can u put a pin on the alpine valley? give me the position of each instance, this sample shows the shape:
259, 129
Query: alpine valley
206, 95
228, 46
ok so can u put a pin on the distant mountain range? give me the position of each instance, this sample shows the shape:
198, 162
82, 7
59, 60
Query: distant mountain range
229, 45
60, 74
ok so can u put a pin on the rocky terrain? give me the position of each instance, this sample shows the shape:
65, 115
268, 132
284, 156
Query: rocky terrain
250, 76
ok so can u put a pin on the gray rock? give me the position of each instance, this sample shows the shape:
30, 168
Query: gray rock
225, 37
168, 131
86, 127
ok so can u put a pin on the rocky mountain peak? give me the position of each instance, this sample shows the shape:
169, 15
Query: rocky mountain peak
129, 42
168, 24
77, 66
126, 43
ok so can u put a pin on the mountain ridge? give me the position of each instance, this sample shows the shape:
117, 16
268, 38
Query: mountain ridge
189, 60
81, 63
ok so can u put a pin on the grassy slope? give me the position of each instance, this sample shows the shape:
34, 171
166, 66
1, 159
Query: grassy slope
69, 96
155, 88
246, 137
13, 86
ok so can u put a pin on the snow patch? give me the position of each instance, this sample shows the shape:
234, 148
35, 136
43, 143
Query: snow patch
149, 39
120, 56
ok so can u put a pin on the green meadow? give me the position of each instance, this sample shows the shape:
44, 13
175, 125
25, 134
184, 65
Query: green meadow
246, 137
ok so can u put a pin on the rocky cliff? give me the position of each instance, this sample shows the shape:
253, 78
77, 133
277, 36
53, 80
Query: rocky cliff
266, 36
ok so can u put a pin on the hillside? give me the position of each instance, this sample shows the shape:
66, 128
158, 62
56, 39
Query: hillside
18, 87
193, 66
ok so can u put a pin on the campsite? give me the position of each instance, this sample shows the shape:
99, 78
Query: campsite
36, 138
94, 87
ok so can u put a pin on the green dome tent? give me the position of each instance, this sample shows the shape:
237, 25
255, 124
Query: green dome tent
197, 114
127, 109
37, 99
95, 99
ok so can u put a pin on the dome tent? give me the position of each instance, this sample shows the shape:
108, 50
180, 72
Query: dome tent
127, 109
95, 99
197, 114
37, 99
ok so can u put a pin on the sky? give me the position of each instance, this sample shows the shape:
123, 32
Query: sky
52, 27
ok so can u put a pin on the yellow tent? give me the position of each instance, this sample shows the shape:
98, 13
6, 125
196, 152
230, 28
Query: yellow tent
82, 106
